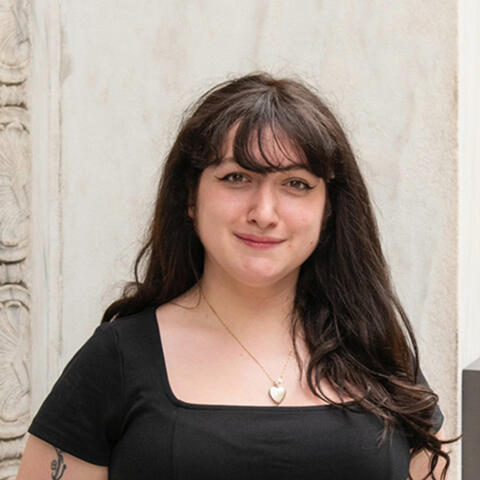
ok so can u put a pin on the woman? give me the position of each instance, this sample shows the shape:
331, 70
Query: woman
263, 247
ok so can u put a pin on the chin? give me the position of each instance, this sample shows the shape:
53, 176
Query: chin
259, 279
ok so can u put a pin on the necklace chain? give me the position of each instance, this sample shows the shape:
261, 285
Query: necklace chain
275, 382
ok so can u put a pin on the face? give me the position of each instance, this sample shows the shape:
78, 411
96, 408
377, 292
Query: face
258, 229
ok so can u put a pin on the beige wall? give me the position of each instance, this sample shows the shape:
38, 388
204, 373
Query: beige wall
469, 192
469, 184
119, 75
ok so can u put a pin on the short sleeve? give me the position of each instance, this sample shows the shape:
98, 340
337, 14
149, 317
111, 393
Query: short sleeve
437, 416
82, 413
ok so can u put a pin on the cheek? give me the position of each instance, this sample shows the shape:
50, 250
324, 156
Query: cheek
306, 223
215, 211
218, 196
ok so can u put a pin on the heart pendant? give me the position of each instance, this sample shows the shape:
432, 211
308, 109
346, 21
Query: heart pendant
277, 393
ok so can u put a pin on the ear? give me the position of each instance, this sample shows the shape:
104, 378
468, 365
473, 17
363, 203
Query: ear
191, 211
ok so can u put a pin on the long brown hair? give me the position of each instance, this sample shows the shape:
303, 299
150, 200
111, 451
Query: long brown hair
357, 333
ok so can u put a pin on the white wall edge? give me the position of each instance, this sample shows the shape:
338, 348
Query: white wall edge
46, 233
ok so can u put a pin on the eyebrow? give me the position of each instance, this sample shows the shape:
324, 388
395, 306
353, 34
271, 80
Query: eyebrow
287, 168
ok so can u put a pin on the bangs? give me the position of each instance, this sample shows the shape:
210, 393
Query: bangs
273, 123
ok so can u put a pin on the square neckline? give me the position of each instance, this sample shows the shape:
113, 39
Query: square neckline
204, 406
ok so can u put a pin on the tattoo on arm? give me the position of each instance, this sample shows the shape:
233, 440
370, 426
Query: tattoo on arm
58, 466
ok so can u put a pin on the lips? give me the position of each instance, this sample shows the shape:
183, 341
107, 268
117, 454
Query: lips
259, 239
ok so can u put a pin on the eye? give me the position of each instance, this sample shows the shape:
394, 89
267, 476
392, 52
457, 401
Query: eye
234, 178
299, 184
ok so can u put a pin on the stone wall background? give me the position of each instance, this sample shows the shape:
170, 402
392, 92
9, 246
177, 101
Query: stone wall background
109, 81
14, 233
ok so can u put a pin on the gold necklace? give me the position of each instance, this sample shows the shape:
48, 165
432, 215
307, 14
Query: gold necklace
277, 391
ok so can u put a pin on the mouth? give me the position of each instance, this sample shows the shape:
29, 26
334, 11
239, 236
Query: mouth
259, 241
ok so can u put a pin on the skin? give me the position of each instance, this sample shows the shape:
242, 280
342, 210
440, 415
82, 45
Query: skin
251, 289
58, 466
41, 460
230, 200
419, 464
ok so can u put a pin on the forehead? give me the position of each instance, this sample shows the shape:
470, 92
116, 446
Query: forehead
270, 149
284, 166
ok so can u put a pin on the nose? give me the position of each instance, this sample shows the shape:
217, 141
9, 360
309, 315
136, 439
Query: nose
262, 208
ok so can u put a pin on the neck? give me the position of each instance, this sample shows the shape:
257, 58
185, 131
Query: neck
249, 311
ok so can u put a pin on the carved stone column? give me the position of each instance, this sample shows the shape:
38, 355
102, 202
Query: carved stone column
14, 234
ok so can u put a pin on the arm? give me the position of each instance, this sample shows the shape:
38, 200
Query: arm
419, 464
43, 460
81, 414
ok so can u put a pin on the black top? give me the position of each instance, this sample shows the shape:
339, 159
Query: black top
113, 405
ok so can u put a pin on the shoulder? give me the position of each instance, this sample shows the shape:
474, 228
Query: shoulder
132, 326
137, 342
124, 336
